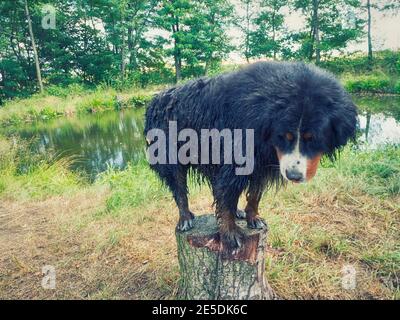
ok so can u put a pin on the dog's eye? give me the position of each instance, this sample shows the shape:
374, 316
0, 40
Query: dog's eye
289, 136
307, 136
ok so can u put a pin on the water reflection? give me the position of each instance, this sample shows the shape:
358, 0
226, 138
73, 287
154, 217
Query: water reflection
93, 142
378, 129
379, 120
113, 139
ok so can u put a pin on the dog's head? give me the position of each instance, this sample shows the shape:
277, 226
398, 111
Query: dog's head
318, 121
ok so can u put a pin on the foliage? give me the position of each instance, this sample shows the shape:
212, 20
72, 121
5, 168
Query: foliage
386, 61
368, 83
330, 25
150, 42
267, 39
397, 87
65, 101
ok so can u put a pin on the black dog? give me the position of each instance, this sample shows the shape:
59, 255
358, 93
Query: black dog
298, 113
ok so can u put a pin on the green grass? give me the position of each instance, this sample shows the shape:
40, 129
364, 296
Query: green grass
24, 175
119, 230
57, 102
378, 171
133, 187
368, 83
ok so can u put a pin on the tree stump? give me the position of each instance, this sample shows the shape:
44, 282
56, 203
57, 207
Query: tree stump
208, 274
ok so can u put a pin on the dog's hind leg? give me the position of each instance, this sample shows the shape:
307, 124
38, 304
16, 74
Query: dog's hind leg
177, 182
253, 198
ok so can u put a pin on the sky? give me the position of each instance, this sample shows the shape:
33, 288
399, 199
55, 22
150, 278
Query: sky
385, 32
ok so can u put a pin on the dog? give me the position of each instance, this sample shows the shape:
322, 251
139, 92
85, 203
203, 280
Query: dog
298, 113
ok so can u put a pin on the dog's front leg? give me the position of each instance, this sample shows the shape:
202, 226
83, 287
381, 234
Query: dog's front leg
231, 236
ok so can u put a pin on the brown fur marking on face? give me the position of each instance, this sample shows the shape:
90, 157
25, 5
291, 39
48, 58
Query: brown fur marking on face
279, 153
312, 166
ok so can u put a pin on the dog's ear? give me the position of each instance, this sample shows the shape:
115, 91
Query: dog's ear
266, 129
343, 124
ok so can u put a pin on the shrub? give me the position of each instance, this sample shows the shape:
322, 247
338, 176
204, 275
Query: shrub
397, 87
387, 61
368, 83
138, 101
73, 89
100, 100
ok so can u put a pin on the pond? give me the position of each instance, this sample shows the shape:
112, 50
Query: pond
96, 142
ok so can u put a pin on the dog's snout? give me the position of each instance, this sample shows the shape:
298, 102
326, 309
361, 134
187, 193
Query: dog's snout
294, 175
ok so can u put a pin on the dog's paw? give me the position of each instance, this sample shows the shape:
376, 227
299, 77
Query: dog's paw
232, 241
185, 222
256, 223
240, 214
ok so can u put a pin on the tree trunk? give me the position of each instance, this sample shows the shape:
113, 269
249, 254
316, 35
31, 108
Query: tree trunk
123, 42
370, 57
247, 44
35, 54
207, 274
177, 51
316, 32
273, 30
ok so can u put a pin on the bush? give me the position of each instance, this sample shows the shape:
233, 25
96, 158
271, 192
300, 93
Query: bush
138, 101
386, 61
73, 89
397, 87
100, 100
368, 83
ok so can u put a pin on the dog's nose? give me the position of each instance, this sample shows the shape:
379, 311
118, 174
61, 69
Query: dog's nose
294, 175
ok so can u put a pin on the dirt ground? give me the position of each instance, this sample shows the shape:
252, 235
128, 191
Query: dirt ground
132, 254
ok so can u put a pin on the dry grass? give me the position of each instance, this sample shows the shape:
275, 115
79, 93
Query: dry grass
130, 253
115, 238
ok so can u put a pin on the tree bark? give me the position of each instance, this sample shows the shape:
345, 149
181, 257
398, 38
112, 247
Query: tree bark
316, 39
177, 51
206, 273
370, 57
35, 53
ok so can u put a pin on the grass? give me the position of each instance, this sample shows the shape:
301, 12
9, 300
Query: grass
115, 238
374, 83
53, 104
66, 101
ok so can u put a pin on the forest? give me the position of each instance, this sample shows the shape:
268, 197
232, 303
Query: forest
59, 43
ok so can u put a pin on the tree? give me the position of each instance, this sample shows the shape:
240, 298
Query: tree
207, 32
172, 16
266, 39
197, 32
393, 5
370, 58
35, 53
244, 23
330, 25
385, 5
